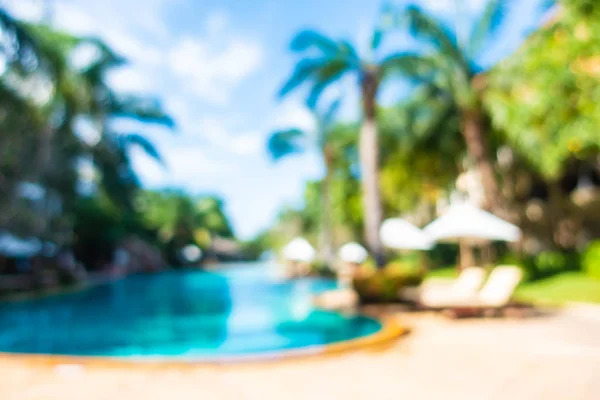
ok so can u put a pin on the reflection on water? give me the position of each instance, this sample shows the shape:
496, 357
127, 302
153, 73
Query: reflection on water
179, 313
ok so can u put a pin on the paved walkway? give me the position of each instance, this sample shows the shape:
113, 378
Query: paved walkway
547, 358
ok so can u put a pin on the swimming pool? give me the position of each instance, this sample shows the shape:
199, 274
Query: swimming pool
238, 311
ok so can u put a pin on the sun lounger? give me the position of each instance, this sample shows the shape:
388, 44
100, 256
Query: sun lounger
494, 295
466, 285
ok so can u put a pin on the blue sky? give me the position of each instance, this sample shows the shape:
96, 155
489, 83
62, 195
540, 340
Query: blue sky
217, 65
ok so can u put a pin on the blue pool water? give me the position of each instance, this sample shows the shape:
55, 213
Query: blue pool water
187, 314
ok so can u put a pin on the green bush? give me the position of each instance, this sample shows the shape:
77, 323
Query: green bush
544, 264
379, 286
591, 260
322, 269
550, 263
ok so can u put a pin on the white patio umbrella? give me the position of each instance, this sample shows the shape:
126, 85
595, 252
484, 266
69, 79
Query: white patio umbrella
400, 234
299, 250
464, 221
353, 253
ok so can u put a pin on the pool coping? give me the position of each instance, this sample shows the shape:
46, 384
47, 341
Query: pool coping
390, 330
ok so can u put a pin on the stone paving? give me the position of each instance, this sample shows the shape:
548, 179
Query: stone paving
553, 357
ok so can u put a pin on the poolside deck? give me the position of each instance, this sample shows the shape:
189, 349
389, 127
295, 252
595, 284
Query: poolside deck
554, 357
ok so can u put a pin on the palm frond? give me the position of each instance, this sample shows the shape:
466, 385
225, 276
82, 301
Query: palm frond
425, 27
18, 46
129, 139
487, 25
107, 57
302, 72
326, 76
412, 66
141, 109
95, 72
285, 142
311, 39
348, 51
54, 49
389, 18
329, 116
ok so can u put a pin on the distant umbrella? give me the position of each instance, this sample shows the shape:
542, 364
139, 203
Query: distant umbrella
464, 221
353, 253
299, 250
397, 233
191, 253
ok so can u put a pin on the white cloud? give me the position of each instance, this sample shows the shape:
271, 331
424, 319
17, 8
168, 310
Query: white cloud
212, 67
120, 30
74, 19
454, 5
31, 10
292, 114
212, 73
128, 79
184, 166
247, 143
107, 15
128, 45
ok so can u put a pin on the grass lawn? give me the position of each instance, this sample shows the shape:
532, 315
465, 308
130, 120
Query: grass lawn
562, 288
444, 272
559, 289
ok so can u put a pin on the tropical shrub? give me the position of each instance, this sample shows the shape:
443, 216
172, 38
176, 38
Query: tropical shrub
322, 269
544, 264
550, 263
383, 285
591, 259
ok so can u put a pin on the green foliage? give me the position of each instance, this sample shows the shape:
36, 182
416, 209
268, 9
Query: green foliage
591, 259
383, 285
544, 98
43, 146
562, 288
550, 263
322, 269
99, 227
172, 211
285, 142
544, 264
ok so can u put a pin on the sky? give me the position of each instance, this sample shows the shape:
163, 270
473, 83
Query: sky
217, 65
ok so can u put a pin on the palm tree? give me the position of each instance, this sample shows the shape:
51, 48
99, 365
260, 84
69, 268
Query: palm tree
324, 62
111, 153
452, 76
285, 142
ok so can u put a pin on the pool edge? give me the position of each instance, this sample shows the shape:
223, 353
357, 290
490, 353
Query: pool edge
390, 330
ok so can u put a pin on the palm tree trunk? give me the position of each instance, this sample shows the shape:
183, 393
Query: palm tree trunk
466, 255
326, 234
477, 147
369, 162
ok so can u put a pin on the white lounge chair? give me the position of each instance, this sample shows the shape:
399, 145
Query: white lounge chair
466, 285
495, 293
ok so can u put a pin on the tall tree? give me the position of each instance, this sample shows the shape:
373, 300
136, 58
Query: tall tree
544, 100
324, 61
449, 68
285, 142
52, 92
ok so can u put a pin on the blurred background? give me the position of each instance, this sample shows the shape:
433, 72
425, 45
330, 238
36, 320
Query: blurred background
131, 131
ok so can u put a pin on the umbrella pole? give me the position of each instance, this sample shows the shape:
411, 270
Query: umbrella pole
467, 258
